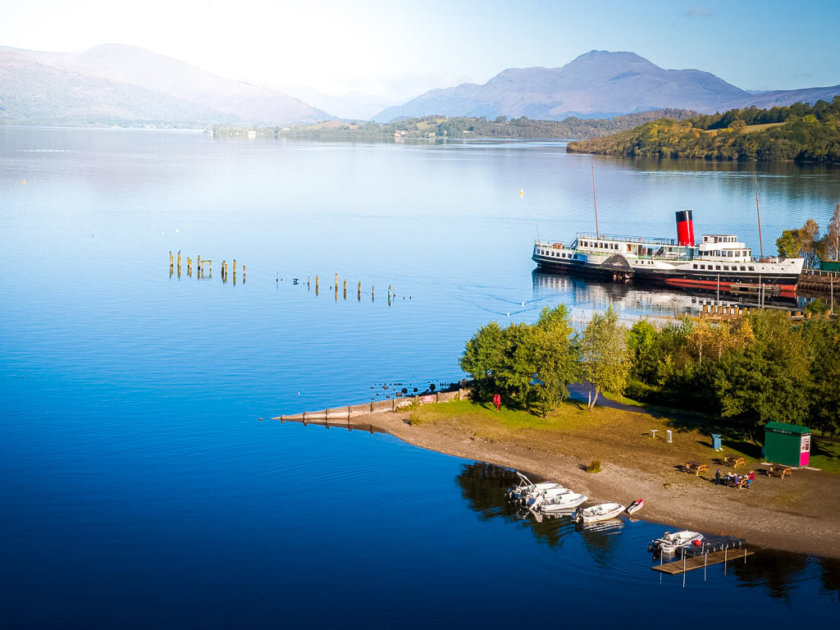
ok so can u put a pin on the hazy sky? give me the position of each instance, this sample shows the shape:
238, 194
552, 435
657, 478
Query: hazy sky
401, 48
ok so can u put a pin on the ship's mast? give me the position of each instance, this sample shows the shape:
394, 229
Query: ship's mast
595, 203
758, 215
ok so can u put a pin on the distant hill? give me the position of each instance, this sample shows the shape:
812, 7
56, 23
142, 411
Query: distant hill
800, 132
123, 85
598, 84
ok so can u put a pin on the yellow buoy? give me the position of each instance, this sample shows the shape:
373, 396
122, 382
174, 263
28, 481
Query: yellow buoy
521, 192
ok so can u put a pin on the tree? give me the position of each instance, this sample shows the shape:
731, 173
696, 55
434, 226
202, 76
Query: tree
824, 342
605, 359
554, 357
767, 379
807, 241
786, 244
831, 240
483, 357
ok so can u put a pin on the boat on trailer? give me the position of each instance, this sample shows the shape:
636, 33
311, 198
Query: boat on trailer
719, 262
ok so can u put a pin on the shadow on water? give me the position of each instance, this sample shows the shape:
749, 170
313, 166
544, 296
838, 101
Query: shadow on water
483, 487
775, 571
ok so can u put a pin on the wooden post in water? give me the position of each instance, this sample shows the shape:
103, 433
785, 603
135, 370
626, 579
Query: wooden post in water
316, 285
345, 288
307, 283
198, 267
389, 295
372, 291
243, 274
179, 263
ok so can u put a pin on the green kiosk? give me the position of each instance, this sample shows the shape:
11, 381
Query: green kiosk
788, 444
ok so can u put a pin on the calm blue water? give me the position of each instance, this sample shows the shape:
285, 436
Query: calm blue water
138, 486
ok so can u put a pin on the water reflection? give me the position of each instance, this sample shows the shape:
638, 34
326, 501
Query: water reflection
777, 573
634, 300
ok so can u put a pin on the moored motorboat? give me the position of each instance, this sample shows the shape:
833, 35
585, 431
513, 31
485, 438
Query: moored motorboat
671, 543
637, 505
596, 513
525, 488
543, 494
558, 503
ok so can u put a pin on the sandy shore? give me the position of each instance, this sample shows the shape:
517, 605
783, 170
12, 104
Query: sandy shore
799, 514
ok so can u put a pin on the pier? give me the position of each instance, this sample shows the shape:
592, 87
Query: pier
343, 416
679, 567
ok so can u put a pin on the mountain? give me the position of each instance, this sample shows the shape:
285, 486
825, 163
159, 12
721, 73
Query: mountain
349, 106
124, 85
598, 84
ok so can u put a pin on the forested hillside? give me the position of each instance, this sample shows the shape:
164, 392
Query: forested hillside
800, 132
461, 127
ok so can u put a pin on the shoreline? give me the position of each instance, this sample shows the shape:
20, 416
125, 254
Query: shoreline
800, 514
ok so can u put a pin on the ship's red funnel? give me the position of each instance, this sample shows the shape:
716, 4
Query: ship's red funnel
685, 228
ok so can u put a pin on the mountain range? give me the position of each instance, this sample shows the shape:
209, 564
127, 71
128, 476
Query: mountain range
125, 85
598, 84
114, 84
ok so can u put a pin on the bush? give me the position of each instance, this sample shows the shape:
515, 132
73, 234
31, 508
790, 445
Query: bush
594, 466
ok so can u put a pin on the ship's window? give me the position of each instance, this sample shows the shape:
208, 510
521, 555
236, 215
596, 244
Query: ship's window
743, 268
726, 267
694, 266
717, 267
752, 268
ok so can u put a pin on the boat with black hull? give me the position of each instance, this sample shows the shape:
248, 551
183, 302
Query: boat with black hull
719, 262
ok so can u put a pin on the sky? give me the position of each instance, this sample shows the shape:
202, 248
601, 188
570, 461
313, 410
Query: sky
398, 49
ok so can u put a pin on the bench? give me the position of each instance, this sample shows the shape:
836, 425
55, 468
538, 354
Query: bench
733, 460
780, 471
696, 468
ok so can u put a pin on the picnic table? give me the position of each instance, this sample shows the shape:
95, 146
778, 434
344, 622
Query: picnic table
733, 460
696, 468
780, 471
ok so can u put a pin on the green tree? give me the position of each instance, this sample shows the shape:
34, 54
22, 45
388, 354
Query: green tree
554, 357
483, 358
605, 359
767, 379
831, 240
823, 339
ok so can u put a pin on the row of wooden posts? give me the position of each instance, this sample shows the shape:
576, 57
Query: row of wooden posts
730, 312
345, 414
203, 268
335, 288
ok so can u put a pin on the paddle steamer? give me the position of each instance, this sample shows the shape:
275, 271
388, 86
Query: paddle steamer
719, 262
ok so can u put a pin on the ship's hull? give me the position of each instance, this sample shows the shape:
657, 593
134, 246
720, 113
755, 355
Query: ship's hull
687, 274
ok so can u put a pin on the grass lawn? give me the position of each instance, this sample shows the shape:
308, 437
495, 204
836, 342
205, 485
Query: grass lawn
610, 435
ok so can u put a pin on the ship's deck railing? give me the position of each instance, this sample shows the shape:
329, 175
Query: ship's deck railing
627, 238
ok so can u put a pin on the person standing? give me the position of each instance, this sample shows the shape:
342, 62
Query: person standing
717, 477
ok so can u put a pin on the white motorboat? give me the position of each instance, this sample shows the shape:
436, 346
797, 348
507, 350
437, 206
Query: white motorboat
559, 503
602, 512
637, 505
525, 488
544, 494
671, 542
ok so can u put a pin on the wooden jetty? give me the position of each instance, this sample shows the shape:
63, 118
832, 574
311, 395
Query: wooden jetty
817, 281
678, 567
